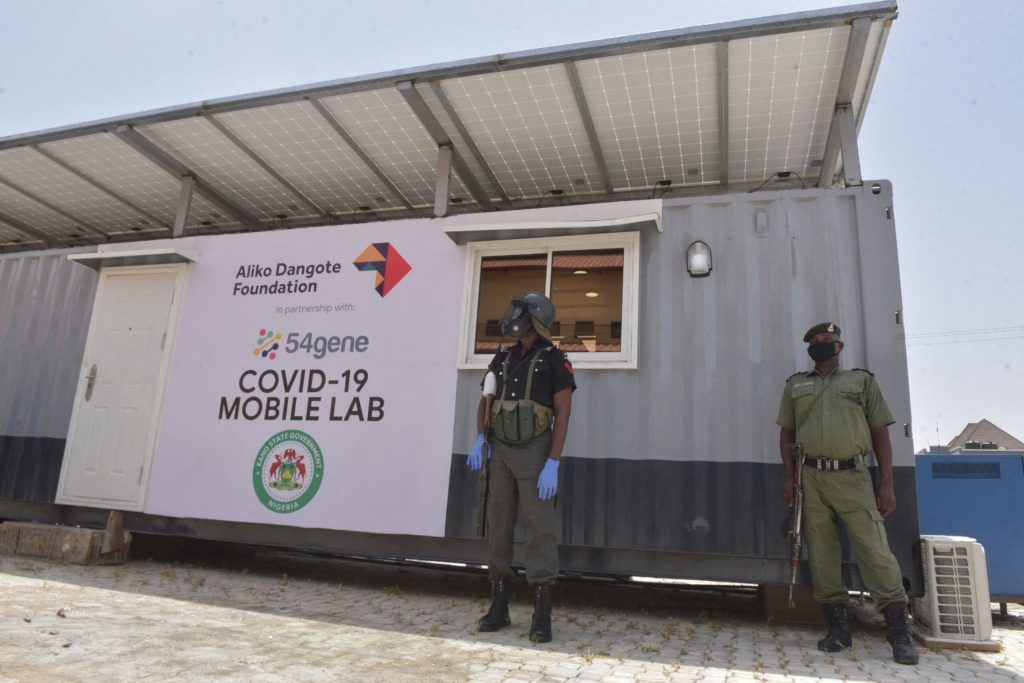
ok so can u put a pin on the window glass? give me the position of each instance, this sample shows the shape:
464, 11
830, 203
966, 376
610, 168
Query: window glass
593, 281
586, 289
501, 278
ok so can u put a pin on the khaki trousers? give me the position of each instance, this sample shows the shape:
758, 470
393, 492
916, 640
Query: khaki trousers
848, 495
512, 490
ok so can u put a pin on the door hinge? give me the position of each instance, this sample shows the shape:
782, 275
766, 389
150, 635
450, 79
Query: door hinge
163, 342
141, 467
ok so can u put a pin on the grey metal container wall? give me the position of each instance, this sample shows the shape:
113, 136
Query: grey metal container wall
45, 305
681, 455
671, 469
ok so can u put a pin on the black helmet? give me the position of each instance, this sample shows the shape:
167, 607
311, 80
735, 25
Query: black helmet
530, 309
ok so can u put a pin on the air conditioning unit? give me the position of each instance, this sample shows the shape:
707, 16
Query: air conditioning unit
956, 605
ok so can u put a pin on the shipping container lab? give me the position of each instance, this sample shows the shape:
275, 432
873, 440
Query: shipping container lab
266, 318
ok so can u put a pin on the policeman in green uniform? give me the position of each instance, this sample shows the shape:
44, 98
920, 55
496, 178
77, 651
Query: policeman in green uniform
522, 422
839, 416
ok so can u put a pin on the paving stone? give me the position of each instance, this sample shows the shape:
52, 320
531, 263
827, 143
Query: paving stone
561, 672
232, 626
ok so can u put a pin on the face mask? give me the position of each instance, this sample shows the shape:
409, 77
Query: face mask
823, 351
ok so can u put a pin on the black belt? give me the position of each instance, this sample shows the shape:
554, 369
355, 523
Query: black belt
830, 464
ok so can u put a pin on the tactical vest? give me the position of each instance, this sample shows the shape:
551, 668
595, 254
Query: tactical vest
518, 421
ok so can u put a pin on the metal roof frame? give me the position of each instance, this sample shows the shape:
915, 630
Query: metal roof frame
733, 30
461, 145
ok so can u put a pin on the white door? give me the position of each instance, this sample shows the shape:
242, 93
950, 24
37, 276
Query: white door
113, 424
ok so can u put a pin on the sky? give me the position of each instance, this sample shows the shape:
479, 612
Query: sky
943, 124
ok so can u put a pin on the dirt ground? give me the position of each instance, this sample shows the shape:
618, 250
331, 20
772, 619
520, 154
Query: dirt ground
270, 616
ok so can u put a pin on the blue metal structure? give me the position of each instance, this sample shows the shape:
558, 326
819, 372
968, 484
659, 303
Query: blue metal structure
980, 496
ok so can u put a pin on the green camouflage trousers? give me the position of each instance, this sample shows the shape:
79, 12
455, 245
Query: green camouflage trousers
512, 488
847, 495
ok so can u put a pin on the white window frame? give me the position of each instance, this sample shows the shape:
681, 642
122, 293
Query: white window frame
629, 242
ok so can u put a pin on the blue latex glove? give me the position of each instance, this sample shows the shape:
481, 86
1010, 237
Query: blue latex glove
481, 449
547, 483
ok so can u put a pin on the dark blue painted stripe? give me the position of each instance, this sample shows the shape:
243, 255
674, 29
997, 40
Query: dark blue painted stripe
702, 508
30, 468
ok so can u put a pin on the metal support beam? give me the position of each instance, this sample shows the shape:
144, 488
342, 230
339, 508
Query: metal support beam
53, 207
27, 229
856, 44
251, 153
848, 143
831, 156
588, 125
852, 61
168, 163
100, 186
360, 152
468, 139
723, 113
188, 184
444, 176
415, 101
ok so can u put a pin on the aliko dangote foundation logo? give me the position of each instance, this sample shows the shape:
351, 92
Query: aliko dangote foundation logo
288, 471
389, 265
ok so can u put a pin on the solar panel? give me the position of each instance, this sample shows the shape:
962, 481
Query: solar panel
104, 157
435, 98
11, 235
625, 118
384, 126
59, 187
296, 141
38, 216
651, 126
527, 125
196, 143
782, 93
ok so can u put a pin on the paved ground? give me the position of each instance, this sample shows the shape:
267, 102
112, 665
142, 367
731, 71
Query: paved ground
275, 617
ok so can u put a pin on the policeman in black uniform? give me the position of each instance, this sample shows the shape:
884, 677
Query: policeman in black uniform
521, 432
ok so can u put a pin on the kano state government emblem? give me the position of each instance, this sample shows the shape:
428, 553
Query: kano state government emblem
288, 471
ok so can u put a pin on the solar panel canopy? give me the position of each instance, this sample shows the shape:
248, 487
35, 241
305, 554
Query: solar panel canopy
722, 108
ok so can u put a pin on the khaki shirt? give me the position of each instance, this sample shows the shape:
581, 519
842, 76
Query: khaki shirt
833, 416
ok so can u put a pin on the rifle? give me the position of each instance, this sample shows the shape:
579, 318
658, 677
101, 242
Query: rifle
795, 535
483, 481
483, 485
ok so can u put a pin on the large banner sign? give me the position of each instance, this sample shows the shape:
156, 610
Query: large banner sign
313, 381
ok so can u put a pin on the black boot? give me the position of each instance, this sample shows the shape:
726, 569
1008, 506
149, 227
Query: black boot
540, 627
838, 637
497, 616
903, 650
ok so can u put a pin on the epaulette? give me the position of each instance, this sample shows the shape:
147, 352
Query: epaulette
863, 370
802, 372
